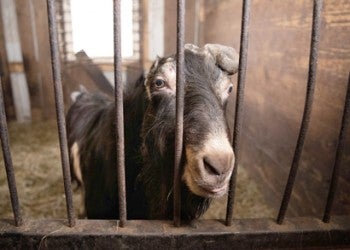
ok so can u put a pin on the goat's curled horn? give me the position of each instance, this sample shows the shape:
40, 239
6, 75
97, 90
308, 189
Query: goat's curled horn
225, 57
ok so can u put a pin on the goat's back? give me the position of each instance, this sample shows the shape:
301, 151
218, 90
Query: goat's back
91, 140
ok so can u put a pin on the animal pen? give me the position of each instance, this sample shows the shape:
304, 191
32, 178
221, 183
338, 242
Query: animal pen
282, 232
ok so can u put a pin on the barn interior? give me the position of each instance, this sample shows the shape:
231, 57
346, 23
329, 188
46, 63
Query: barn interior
276, 80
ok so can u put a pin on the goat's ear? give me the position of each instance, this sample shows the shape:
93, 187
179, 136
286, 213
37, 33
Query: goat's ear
226, 57
155, 64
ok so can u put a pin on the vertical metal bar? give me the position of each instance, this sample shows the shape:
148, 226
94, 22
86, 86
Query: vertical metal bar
61, 123
11, 181
180, 93
119, 118
316, 26
338, 157
239, 105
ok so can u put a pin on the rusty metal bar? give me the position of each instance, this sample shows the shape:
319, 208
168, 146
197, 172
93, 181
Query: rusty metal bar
11, 181
243, 55
180, 93
338, 157
61, 123
297, 233
119, 115
315, 36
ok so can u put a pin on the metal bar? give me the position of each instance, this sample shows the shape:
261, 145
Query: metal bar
61, 123
297, 233
243, 55
338, 157
119, 115
180, 93
11, 181
315, 36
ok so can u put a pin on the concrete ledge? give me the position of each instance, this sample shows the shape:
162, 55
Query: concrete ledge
295, 233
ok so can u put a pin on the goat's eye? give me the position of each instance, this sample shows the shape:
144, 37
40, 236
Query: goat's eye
159, 83
230, 89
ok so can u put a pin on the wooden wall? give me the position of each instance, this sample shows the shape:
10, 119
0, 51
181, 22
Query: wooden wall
275, 87
170, 25
275, 93
5, 75
32, 27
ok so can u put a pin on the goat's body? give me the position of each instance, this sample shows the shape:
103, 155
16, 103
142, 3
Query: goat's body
149, 125
90, 125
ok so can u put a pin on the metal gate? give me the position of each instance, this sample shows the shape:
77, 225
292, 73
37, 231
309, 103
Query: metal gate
245, 233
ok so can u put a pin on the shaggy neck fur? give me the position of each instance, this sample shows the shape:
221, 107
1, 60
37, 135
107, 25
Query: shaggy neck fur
157, 172
158, 132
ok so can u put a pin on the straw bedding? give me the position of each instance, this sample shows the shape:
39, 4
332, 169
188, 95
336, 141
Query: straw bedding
36, 159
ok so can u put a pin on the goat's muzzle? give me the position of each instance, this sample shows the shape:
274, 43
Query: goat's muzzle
208, 170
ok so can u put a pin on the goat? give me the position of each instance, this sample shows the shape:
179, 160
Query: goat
149, 124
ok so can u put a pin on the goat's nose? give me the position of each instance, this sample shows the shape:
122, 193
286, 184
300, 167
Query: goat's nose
218, 163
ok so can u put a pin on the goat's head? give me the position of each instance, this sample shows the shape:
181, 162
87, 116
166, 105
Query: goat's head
208, 155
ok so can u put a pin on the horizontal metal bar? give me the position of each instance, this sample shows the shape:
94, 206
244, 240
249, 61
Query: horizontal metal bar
296, 233
338, 158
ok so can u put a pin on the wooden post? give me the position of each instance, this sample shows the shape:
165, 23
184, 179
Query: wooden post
29, 45
44, 62
5, 75
15, 60
144, 34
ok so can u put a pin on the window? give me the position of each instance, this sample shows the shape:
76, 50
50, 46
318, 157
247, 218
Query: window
92, 27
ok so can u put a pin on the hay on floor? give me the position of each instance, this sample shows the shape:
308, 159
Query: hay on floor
36, 159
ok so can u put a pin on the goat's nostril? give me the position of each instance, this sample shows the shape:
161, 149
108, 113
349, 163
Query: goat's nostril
210, 168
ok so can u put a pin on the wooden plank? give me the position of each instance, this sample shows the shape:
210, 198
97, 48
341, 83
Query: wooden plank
144, 57
29, 45
74, 75
44, 59
280, 34
85, 72
170, 26
5, 75
19, 85
95, 73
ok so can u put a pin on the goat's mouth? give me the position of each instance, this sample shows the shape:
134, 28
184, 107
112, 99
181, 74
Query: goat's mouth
212, 192
207, 171
208, 174
204, 189
207, 188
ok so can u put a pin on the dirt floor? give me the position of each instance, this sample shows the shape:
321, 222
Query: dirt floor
36, 159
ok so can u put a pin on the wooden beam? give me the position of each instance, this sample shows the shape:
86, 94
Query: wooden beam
29, 45
144, 57
5, 75
14, 56
44, 58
